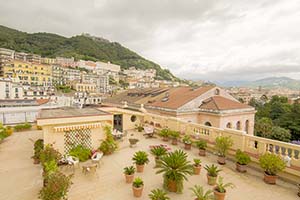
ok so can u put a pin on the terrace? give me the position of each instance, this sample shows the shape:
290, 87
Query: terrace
25, 179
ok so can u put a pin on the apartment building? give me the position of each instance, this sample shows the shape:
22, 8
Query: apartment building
10, 89
66, 62
101, 81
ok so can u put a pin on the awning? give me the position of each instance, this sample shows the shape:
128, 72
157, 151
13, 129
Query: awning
76, 127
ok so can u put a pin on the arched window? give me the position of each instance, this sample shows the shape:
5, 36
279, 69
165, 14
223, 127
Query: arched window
228, 125
133, 118
217, 92
207, 124
247, 126
238, 125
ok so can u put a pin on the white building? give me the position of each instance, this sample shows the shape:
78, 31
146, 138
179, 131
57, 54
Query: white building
10, 89
108, 69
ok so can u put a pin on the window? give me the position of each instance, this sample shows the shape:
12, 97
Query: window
247, 126
207, 124
133, 118
238, 125
217, 92
228, 125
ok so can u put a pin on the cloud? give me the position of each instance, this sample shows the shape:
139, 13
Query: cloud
198, 39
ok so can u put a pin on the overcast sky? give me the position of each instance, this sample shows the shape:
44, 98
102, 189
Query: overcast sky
195, 39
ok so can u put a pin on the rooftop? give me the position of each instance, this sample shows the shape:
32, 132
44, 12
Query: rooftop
69, 112
219, 103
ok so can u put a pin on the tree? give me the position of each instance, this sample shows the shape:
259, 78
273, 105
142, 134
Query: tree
280, 134
263, 127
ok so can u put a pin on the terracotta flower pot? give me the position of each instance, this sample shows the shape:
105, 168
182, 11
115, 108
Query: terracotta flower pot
172, 186
219, 195
36, 161
137, 192
166, 139
211, 180
270, 179
140, 168
221, 160
129, 178
202, 152
187, 146
174, 141
241, 168
197, 169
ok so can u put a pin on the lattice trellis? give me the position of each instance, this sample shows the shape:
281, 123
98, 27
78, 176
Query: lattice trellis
76, 137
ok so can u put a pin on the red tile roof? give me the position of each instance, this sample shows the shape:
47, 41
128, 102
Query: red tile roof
222, 103
42, 101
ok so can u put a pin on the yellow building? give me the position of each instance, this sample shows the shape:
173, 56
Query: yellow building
33, 74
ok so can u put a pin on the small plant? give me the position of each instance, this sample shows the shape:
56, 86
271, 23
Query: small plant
38, 147
200, 194
197, 162
223, 144
80, 152
164, 133
109, 145
56, 188
187, 139
158, 151
158, 194
138, 182
212, 170
271, 163
174, 134
140, 158
242, 158
48, 154
139, 127
50, 167
201, 144
22, 127
129, 170
221, 187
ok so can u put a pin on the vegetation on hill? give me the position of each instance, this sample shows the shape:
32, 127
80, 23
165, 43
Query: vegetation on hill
80, 47
277, 119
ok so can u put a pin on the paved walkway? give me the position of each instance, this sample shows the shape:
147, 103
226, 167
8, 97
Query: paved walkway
20, 179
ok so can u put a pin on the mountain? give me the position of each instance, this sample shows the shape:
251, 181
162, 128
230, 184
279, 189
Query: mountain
83, 46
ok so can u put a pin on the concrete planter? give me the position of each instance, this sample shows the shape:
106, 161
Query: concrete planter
187, 146
270, 179
140, 168
165, 139
202, 152
219, 195
197, 169
211, 180
174, 141
137, 192
241, 168
221, 160
129, 178
172, 186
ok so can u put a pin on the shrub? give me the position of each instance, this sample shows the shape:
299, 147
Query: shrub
187, 139
3, 132
50, 167
109, 145
140, 158
56, 188
48, 154
212, 170
223, 144
200, 194
129, 170
38, 148
242, 158
158, 194
175, 167
158, 151
80, 152
138, 182
221, 187
22, 127
271, 163
197, 162
174, 134
201, 144
164, 132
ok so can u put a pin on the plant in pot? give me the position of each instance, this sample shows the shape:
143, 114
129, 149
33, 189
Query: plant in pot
242, 160
220, 189
139, 127
174, 135
164, 133
212, 174
129, 174
38, 147
137, 187
158, 194
223, 144
81, 152
271, 164
200, 194
187, 142
140, 158
109, 145
201, 145
197, 166
158, 152
175, 168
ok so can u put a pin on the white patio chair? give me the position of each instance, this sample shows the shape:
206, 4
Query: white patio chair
96, 157
73, 162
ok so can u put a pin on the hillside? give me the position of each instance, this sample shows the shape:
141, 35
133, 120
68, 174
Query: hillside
83, 46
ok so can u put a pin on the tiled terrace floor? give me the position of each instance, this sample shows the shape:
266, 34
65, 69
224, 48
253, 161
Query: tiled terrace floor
20, 179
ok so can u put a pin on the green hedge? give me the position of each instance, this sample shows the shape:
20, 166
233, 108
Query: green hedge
22, 127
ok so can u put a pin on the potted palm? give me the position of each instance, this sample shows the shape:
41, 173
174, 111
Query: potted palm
197, 166
140, 158
129, 174
200, 194
223, 144
187, 142
164, 133
212, 174
220, 189
158, 194
137, 187
175, 167
242, 160
201, 145
174, 135
158, 151
271, 164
